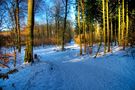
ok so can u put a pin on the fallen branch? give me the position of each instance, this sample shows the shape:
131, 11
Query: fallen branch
4, 65
5, 75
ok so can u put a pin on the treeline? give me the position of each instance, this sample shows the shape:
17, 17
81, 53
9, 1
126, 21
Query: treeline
107, 22
42, 36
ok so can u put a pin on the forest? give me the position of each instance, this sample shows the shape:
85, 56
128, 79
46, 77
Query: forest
67, 44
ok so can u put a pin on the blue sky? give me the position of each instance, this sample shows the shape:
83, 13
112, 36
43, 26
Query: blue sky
41, 17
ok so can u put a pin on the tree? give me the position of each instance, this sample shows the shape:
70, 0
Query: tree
83, 25
108, 31
57, 16
127, 22
119, 29
103, 6
30, 28
17, 9
123, 25
65, 19
78, 21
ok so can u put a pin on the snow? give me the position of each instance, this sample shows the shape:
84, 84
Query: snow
67, 70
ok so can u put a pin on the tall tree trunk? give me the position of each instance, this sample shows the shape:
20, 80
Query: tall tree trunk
111, 38
56, 28
126, 22
78, 19
58, 32
108, 31
103, 6
47, 28
18, 26
30, 29
115, 35
89, 37
83, 19
123, 25
91, 34
119, 29
65, 22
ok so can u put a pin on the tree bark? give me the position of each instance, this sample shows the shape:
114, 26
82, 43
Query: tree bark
127, 22
83, 19
119, 29
108, 31
18, 26
78, 19
30, 29
103, 6
123, 25
65, 22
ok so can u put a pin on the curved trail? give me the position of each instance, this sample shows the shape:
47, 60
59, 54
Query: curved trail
71, 72
68, 71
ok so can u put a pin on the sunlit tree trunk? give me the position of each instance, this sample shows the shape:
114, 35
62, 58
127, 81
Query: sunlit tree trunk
123, 25
119, 29
83, 21
91, 38
103, 7
58, 32
111, 38
90, 35
115, 34
127, 22
108, 31
78, 19
30, 29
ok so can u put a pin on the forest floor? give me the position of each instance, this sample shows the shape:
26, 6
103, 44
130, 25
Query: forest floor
66, 70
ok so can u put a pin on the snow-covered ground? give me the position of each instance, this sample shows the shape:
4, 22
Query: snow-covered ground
68, 71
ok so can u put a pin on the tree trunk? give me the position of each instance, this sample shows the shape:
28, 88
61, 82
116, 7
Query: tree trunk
65, 22
18, 26
123, 25
126, 22
78, 19
47, 28
108, 31
119, 29
103, 6
30, 29
111, 38
115, 35
84, 31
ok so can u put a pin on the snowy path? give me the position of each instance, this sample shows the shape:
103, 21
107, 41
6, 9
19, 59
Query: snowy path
68, 71
84, 73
